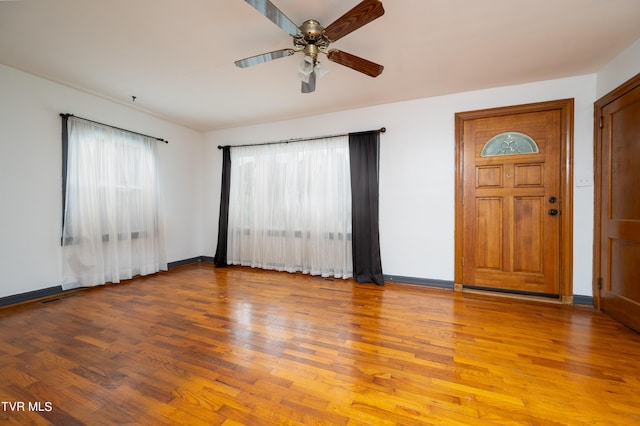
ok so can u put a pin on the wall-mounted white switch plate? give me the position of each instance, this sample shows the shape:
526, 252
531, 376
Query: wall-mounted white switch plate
584, 181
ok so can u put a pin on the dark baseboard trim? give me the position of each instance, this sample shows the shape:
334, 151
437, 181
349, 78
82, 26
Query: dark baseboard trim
57, 290
183, 262
207, 259
582, 300
577, 299
419, 281
30, 296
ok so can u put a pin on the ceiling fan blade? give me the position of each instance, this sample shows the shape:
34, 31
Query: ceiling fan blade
354, 62
311, 85
265, 57
365, 12
275, 15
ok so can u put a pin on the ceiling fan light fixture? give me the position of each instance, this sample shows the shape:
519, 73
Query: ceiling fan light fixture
320, 70
305, 69
304, 77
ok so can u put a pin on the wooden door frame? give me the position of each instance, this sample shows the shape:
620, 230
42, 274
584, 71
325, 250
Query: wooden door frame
598, 106
566, 186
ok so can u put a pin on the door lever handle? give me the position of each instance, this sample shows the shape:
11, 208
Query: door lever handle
553, 212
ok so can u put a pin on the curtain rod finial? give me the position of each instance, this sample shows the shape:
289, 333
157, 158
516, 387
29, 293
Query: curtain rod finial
383, 129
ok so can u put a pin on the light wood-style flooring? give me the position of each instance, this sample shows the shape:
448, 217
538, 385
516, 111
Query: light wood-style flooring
198, 345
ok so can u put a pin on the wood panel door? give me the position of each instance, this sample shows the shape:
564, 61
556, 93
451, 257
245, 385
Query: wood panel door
617, 228
513, 198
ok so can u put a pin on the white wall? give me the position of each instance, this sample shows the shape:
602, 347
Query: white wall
30, 176
621, 69
417, 171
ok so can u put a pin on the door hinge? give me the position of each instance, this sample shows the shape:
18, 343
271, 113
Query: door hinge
601, 122
599, 283
462, 260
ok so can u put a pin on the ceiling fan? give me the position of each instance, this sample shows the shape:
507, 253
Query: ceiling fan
313, 39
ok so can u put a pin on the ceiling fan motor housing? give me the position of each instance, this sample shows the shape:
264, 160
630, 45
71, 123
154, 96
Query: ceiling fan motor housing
311, 30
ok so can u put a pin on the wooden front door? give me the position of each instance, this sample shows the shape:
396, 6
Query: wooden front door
617, 185
513, 201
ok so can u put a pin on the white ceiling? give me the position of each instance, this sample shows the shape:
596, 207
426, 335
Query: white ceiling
177, 57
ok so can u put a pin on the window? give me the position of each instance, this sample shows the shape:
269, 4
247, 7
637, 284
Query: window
112, 221
290, 207
509, 143
329, 179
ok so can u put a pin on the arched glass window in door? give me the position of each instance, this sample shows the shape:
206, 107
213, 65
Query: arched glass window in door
509, 143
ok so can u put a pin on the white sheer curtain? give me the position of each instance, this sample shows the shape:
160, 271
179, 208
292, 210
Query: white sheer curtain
290, 207
113, 224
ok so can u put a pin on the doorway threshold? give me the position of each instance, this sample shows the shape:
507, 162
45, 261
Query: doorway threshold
514, 294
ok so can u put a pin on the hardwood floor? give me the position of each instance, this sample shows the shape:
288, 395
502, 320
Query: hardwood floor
199, 345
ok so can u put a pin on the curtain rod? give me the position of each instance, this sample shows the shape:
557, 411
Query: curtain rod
381, 130
114, 127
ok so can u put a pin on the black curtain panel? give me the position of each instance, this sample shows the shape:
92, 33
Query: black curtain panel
363, 152
65, 151
220, 258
